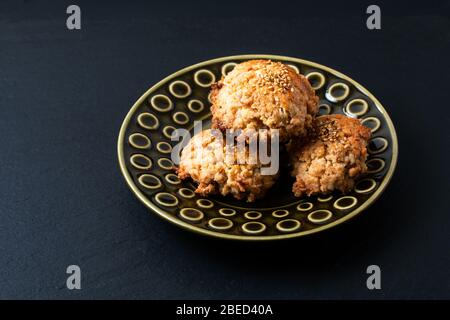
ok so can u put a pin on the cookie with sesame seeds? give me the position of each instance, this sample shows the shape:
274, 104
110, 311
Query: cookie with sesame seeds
214, 167
263, 94
332, 157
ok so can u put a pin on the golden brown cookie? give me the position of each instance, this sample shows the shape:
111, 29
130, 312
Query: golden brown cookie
332, 158
204, 161
262, 94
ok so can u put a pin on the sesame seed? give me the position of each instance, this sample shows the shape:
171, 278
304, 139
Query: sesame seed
277, 80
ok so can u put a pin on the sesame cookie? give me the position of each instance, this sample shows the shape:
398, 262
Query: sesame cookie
332, 158
204, 161
262, 94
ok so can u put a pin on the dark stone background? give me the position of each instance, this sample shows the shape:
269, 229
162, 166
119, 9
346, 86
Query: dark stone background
64, 94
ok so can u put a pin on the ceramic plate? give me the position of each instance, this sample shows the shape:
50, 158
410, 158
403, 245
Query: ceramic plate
144, 148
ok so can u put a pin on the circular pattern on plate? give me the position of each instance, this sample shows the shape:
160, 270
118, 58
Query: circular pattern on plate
325, 198
180, 89
356, 108
172, 179
365, 185
316, 79
205, 203
167, 131
346, 202
227, 212
191, 214
166, 199
139, 141
227, 67
253, 215
164, 147
150, 181
140, 161
372, 123
161, 103
148, 121
183, 98
253, 227
186, 193
324, 109
196, 106
337, 92
375, 165
180, 118
320, 216
281, 213
204, 78
165, 163
288, 225
305, 206
220, 223
377, 145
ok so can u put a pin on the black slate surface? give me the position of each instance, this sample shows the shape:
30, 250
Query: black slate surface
63, 201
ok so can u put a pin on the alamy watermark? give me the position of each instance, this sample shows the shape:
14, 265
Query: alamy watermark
374, 20
74, 280
374, 280
73, 21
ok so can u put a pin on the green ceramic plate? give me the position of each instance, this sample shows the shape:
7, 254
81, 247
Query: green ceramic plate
144, 148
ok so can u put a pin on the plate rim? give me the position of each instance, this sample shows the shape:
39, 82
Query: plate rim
169, 217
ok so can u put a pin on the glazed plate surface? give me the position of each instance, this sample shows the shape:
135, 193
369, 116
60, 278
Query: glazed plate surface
144, 150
